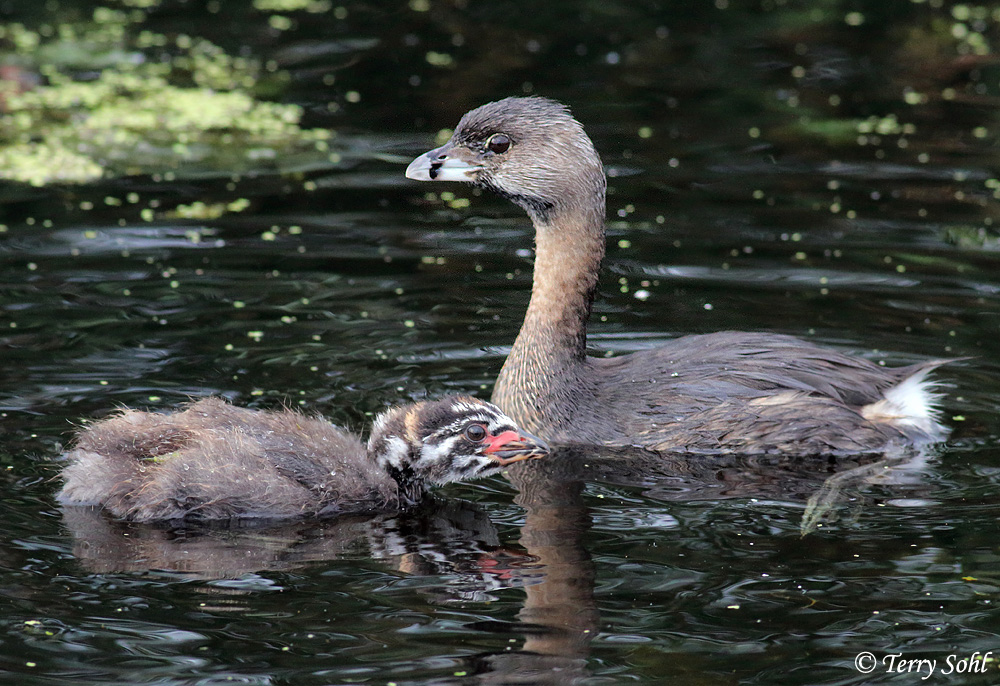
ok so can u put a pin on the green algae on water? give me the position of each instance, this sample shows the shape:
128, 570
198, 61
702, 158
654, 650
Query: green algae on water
193, 115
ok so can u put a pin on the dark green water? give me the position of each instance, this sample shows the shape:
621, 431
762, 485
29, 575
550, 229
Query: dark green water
820, 169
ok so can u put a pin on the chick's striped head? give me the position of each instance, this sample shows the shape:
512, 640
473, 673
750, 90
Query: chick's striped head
453, 439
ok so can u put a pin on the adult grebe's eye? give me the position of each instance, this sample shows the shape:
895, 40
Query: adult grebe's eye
498, 143
476, 433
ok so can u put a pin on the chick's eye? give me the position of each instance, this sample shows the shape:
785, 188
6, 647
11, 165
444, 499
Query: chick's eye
498, 143
475, 432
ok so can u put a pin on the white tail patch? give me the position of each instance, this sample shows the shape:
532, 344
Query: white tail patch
911, 405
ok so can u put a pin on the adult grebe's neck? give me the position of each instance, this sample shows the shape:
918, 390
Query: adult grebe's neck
568, 254
551, 346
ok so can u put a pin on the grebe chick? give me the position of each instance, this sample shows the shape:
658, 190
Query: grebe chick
212, 460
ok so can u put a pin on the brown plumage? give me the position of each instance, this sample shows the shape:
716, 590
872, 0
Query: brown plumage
722, 392
212, 460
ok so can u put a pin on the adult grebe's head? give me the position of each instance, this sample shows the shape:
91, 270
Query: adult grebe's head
529, 150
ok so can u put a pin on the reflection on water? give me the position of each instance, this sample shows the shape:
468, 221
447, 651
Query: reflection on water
439, 538
456, 548
828, 172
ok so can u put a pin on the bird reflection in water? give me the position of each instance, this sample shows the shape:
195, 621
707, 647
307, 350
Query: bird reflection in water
457, 542
451, 538
560, 616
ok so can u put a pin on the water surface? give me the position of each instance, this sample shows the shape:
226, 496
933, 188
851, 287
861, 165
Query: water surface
769, 170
